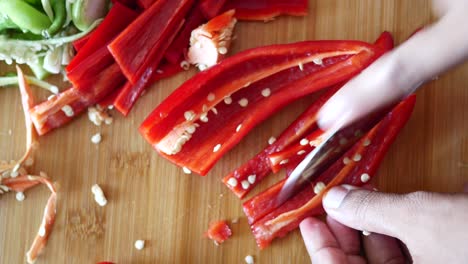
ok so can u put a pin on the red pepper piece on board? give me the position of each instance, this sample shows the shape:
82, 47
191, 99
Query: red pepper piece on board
210, 42
260, 164
357, 166
130, 93
218, 231
62, 108
118, 18
140, 47
175, 53
169, 127
79, 43
264, 10
211, 8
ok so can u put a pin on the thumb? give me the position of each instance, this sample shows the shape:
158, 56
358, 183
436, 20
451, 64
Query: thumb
389, 214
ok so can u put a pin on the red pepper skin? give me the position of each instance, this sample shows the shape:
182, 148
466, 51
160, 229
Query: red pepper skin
264, 10
118, 18
79, 43
218, 231
164, 126
48, 115
141, 46
270, 221
211, 8
179, 46
145, 4
129, 94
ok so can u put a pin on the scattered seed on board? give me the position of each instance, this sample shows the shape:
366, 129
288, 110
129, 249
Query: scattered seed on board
304, 142
140, 244
319, 187
266, 92
232, 182
365, 177
238, 128
301, 66
318, 61
243, 102
186, 170
42, 232
366, 233
216, 148
98, 195
202, 67
204, 117
249, 259
235, 220
96, 138
222, 50
271, 140
284, 162
189, 115
20, 196
245, 185
346, 161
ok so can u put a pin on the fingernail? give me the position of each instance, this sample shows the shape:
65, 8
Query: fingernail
335, 196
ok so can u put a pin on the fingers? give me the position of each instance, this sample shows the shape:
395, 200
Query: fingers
320, 242
348, 239
389, 214
382, 249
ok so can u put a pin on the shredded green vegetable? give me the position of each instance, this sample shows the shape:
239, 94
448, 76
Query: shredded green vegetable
7, 81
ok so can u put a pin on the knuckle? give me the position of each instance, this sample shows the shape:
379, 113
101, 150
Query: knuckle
362, 203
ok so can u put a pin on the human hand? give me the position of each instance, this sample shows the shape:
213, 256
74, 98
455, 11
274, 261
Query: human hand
428, 53
432, 226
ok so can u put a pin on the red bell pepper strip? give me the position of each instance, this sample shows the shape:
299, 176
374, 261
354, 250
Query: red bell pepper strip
211, 8
169, 127
264, 10
357, 167
79, 43
118, 18
140, 47
56, 112
179, 46
109, 100
260, 164
218, 231
128, 3
145, 4
210, 43
130, 93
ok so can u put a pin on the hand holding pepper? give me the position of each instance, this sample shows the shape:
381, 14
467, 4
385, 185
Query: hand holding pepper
432, 226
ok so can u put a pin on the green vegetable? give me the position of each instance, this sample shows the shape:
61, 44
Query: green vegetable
60, 14
38, 69
26, 17
13, 80
85, 12
6, 23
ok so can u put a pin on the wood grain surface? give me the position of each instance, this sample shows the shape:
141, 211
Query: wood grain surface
151, 199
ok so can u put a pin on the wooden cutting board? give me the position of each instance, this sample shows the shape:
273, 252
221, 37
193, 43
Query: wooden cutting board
151, 199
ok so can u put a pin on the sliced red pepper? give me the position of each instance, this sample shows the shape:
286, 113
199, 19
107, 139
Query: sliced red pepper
210, 42
109, 100
264, 10
218, 231
211, 8
284, 69
260, 164
128, 3
145, 4
141, 46
52, 113
179, 46
357, 166
130, 93
118, 18
79, 43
